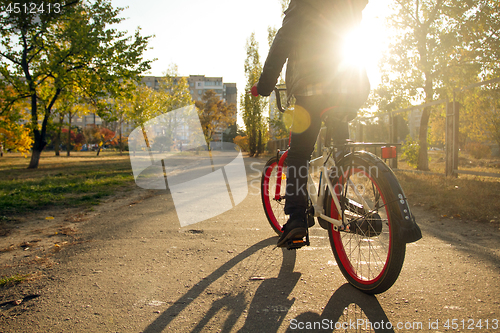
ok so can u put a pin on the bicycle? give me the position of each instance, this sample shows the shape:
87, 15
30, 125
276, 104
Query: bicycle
358, 199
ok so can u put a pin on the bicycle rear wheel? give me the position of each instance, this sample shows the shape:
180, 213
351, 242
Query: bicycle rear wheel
273, 207
369, 251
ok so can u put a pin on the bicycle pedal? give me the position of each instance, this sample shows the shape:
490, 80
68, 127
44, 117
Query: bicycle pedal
295, 244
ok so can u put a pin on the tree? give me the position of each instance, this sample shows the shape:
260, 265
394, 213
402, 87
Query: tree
144, 103
74, 138
429, 57
215, 114
97, 135
253, 106
176, 93
65, 49
92, 135
488, 116
69, 104
231, 132
284, 4
13, 134
480, 30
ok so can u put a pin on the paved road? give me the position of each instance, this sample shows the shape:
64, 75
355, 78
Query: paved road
135, 270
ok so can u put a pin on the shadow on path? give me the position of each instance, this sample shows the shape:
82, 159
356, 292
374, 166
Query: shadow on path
348, 310
268, 307
271, 304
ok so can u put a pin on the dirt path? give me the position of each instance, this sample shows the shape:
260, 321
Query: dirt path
127, 266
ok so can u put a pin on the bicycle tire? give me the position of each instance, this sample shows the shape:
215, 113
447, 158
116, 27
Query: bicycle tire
273, 207
371, 254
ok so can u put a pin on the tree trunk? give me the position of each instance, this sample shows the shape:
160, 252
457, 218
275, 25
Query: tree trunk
146, 139
37, 149
259, 143
421, 36
68, 148
40, 142
423, 161
58, 136
56, 145
38, 145
120, 140
35, 158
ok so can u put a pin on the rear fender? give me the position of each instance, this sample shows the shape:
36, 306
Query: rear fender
409, 230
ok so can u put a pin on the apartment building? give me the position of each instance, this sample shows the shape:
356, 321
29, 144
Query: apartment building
199, 84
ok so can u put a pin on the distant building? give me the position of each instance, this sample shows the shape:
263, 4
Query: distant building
199, 84
85, 120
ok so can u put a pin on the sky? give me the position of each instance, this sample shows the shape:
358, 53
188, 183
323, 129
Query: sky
208, 37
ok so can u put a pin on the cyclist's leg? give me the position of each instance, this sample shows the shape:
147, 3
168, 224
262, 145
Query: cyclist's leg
301, 147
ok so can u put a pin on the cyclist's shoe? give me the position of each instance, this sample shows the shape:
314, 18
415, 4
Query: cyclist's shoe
294, 229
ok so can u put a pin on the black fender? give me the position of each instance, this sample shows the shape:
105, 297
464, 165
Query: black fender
409, 230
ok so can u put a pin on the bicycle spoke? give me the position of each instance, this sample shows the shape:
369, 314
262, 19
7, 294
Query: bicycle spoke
367, 249
366, 252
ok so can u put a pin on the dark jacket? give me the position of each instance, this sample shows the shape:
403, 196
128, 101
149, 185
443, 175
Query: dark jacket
311, 39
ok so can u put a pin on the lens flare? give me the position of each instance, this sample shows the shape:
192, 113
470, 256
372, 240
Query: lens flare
298, 118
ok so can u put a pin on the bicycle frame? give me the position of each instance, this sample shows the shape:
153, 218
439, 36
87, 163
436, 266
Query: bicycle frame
323, 163
367, 215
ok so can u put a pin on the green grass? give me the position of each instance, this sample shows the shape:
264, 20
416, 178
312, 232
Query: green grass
83, 179
466, 196
80, 180
437, 163
15, 279
469, 197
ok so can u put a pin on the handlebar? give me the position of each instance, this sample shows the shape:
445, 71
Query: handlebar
276, 90
278, 99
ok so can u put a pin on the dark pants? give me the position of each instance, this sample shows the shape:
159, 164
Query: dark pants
301, 148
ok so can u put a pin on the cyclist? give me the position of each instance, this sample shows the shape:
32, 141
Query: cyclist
311, 38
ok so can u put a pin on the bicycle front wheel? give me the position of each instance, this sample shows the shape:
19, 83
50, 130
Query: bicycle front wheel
368, 248
274, 204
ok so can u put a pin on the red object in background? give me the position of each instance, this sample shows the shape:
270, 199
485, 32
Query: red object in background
254, 91
389, 152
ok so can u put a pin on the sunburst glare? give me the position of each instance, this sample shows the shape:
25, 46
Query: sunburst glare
354, 50
364, 46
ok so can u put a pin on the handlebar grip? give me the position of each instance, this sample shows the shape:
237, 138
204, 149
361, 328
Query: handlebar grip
254, 91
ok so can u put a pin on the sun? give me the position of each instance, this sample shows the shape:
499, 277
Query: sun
354, 48
364, 45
